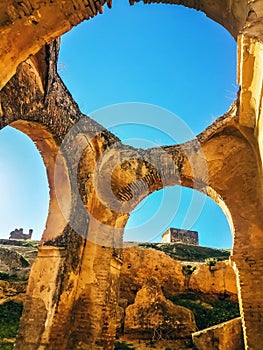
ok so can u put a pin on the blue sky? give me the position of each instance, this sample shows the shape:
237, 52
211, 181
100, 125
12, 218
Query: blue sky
23, 185
165, 56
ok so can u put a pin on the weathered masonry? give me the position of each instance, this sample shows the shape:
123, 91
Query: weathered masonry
73, 287
179, 235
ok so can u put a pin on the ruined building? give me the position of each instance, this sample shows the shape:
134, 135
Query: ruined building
73, 287
177, 235
19, 234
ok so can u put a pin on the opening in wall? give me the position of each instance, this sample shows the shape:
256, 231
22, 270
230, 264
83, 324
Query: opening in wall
181, 208
24, 186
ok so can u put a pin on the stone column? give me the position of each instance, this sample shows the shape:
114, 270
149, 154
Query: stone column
94, 323
249, 270
39, 308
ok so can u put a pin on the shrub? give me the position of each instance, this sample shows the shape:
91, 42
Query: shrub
6, 346
10, 313
122, 346
10, 278
208, 313
24, 262
188, 269
211, 261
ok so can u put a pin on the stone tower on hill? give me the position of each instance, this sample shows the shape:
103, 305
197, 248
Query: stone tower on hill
177, 235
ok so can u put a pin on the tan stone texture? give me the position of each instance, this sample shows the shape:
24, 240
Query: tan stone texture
154, 317
218, 280
34, 100
139, 264
226, 336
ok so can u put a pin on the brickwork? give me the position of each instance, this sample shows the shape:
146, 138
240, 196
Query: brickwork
19, 234
77, 310
173, 235
227, 335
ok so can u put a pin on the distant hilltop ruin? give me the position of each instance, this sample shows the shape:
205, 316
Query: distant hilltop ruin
19, 234
177, 235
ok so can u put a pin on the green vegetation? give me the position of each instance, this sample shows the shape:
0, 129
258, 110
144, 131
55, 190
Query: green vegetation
208, 313
27, 243
188, 269
10, 313
211, 261
122, 346
24, 262
187, 252
4, 276
6, 346
19, 243
10, 278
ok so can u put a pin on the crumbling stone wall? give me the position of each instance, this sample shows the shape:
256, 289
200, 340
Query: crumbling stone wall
19, 234
227, 335
179, 235
83, 280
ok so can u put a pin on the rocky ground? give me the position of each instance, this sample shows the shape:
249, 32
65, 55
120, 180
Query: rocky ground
164, 300
167, 292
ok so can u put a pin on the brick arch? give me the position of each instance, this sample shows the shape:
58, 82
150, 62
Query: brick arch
230, 14
35, 23
36, 94
56, 221
27, 26
210, 164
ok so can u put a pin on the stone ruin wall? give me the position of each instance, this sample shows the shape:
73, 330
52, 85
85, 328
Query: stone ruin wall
176, 235
74, 281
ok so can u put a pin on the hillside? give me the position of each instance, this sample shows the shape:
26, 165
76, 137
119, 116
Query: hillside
178, 278
187, 252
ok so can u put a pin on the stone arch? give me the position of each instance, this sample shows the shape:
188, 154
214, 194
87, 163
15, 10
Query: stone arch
231, 15
185, 208
41, 23
35, 100
45, 143
234, 174
220, 202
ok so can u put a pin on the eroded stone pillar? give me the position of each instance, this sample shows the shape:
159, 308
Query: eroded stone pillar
249, 270
42, 291
95, 306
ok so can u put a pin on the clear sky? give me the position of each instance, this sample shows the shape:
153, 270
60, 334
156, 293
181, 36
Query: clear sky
173, 64
23, 185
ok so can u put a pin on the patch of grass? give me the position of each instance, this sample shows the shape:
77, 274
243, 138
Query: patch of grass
6, 346
187, 252
122, 346
208, 313
10, 278
10, 313
211, 261
4, 276
188, 269
33, 244
24, 262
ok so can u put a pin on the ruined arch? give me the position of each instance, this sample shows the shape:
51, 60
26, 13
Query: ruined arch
24, 185
45, 143
180, 207
36, 93
41, 23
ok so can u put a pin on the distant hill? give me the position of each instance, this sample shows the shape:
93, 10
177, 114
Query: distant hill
177, 251
188, 252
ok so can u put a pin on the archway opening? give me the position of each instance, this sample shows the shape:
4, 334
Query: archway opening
199, 278
182, 208
24, 185
24, 205
41, 184
169, 56
143, 59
